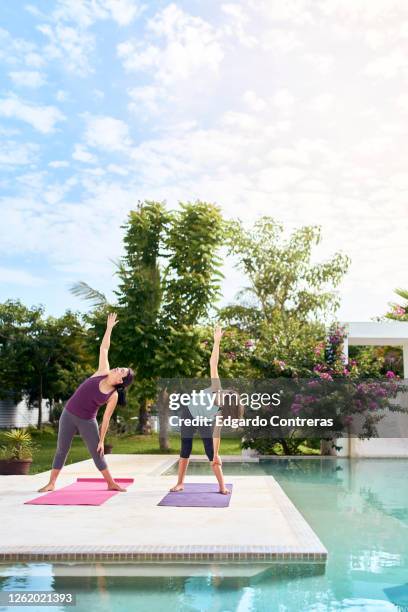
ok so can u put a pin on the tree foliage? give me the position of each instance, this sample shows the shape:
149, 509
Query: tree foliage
40, 357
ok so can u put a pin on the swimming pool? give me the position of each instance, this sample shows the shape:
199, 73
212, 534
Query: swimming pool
358, 508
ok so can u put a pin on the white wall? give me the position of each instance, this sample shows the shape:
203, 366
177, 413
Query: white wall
20, 415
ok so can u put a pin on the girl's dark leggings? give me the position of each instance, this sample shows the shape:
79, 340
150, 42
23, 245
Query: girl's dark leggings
69, 425
187, 434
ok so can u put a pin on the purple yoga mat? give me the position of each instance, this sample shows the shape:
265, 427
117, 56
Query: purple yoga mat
198, 495
83, 492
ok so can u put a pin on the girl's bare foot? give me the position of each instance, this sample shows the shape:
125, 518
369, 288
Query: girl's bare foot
49, 487
178, 487
115, 487
225, 491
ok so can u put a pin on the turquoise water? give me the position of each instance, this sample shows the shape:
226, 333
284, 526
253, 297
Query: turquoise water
359, 509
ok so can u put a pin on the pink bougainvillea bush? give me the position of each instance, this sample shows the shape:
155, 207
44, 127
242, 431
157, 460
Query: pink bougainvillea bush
335, 389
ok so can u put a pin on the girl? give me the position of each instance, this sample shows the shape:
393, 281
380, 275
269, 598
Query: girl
79, 415
224, 403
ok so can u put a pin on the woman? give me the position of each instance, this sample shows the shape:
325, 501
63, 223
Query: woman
79, 415
225, 403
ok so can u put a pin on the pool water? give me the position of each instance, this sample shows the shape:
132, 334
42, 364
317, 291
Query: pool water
358, 508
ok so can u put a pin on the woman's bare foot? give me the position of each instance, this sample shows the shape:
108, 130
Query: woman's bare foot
178, 487
49, 487
115, 487
225, 491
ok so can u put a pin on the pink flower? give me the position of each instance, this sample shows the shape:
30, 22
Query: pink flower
348, 419
296, 408
318, 348
249, 343
326, 376
399, 311
390, 374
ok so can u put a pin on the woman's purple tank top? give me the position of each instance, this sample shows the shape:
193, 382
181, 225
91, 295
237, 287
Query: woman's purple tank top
88, 398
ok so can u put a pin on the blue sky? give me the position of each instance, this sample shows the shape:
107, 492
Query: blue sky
296, 110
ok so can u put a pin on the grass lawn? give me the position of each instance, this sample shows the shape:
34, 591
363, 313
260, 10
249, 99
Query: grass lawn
125, 445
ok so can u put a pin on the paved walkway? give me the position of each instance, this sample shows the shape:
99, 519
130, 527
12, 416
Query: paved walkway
261, 522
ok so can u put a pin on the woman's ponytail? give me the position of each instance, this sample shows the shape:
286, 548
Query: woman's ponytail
121, 388
121, 395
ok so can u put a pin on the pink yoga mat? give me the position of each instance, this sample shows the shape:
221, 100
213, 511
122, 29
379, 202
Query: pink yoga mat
83, 492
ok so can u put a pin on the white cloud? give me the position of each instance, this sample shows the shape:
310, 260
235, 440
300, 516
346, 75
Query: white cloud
237, 25
61, 95
81, 154
58, 164
67, 28
14, 276
322, 62
322, 103
17, 51
402, 102
190, 45
254, 102
299, 12
389, 65
25, 78
71, 45
284, 101
370, 12
14, 153
8, 131
123, 11
115, 169
148, 98
86, 12
98, 93
107, 133
280, 41
41, 118
243, 121
56, 191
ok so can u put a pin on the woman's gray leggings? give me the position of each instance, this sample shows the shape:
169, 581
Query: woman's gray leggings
69, 425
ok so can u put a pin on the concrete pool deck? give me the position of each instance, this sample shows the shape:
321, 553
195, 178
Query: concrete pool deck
261, 523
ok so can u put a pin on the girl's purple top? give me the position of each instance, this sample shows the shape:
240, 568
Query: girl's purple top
88, 398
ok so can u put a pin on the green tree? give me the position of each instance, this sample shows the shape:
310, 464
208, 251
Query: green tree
168, 280
43, 358
191, 285
288, 294
140, 295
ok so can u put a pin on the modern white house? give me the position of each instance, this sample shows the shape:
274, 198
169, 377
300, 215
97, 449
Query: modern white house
389, 333
21, 414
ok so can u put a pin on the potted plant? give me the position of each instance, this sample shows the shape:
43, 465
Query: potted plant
16, 455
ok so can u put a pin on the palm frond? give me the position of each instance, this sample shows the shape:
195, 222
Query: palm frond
84, 291
119, 265
402, 293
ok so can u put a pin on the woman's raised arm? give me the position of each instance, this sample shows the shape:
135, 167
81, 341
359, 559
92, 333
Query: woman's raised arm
215, 355
105, 344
